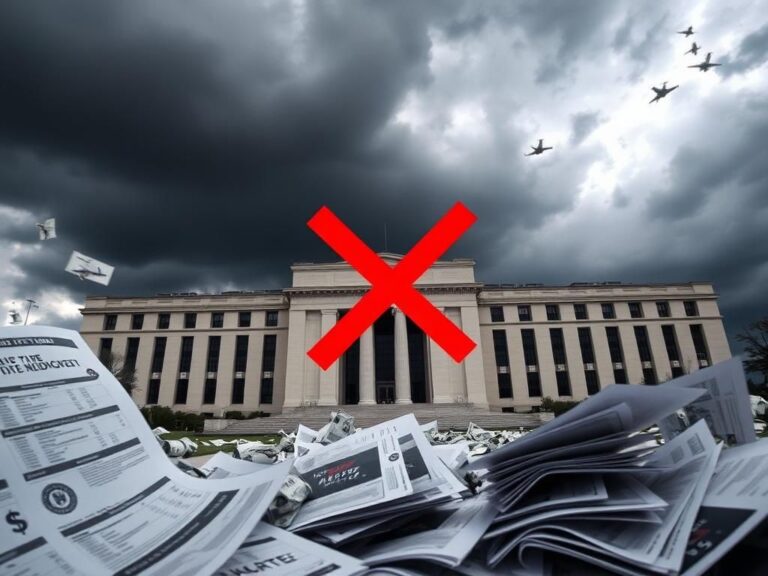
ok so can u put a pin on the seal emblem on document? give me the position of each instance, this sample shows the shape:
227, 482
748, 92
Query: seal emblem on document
59, 498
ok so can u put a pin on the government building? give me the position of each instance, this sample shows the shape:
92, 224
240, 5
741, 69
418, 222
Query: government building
247, 350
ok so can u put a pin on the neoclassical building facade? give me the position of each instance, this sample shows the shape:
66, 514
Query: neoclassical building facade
247, 351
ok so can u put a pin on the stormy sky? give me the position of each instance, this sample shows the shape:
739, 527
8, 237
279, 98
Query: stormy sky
187, 143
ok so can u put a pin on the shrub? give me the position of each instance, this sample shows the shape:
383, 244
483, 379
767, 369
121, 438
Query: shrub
556, 406
170, 420
159, 416
258, 414
234, 415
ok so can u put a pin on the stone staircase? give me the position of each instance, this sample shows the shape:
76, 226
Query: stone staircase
448, 416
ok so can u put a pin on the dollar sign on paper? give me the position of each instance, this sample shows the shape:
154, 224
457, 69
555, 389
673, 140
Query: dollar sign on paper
19, 523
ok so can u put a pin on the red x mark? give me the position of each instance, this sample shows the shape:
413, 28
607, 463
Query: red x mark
391, 285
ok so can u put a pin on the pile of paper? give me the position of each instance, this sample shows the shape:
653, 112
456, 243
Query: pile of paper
477, 440
86, 489
612, 500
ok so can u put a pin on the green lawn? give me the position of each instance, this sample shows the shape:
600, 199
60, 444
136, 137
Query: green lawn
204, 450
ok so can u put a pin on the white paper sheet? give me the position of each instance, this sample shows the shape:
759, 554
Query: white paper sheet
87, 268
270, 550
725, 404
90, 478
736, 501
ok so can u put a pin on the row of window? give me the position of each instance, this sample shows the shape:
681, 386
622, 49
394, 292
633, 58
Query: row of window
615, 349
190, 320
580, 311
269, 353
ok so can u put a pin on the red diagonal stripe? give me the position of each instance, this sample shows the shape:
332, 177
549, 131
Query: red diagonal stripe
391, 285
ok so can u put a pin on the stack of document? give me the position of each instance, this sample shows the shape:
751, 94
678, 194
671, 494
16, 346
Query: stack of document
591, 486
369, 479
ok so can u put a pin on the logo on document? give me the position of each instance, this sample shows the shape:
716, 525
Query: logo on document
394, 456
59, 498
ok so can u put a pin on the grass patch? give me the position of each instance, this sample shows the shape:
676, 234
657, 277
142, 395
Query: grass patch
205, 450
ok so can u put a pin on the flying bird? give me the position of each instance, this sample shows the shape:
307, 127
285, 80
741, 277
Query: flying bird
694, 49
706, 65
538, 149
661, 92
688, 32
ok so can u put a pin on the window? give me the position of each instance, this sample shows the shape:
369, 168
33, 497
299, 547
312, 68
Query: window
214, 347
534, 385
217, 319
110, 321
617, 354
105, 349
614, 344
137, 321
271, 318
691, 308
553, 312
585, 342
643, 344
241, 353
608, 311
190, 320
503, 377
580, 310
243, 319
209, 391
131, 353
185, 362
593, 383
238, 391
268, 368
185, 358
153, 392
663, 309
500, 347
524, 313
182, 387
529, 347
558, 345
670, 341
158, 355
163, 321
497, 314
563, 383
635, 309
673, 352
649, 376
700, 344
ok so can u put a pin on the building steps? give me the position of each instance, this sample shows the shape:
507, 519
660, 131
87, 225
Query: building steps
448, 416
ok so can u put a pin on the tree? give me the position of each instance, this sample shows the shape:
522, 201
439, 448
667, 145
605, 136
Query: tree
125, 373
755, 339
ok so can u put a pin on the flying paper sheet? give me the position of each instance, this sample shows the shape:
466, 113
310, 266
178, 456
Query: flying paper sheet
47, 229
87, 268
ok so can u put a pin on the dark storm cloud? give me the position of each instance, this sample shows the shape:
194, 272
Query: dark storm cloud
138, 136
752, 53
187, 143
642, 36
698, 173
582, 125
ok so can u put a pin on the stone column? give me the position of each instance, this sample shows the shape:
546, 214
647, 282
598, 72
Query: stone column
402, 367
296, 354
329, 379
367, 368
